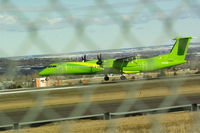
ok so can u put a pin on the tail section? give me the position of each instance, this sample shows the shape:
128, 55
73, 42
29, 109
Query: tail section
180, 48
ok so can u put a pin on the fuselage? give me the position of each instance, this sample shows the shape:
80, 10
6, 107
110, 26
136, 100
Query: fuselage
90, 67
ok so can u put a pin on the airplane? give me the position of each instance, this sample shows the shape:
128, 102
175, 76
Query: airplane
123, 65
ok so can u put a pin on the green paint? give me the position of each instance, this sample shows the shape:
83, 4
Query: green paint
128, 65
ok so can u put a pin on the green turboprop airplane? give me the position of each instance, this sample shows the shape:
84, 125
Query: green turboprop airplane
125, 65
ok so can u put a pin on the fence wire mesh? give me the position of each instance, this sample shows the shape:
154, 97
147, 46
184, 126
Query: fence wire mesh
122, 97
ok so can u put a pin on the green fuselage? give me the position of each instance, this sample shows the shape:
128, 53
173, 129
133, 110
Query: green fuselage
111, 66
128, 65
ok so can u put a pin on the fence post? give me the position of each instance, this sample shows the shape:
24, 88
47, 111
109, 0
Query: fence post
194, 107
16, 126
107, 116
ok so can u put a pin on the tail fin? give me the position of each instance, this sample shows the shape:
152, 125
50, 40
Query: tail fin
180, 48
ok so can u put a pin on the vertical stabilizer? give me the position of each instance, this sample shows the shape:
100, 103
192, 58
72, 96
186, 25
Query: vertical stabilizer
180, 48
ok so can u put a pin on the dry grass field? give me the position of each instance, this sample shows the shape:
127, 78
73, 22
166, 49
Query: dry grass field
180, 122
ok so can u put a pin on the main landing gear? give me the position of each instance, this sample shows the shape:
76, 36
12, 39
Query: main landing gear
122, 77
106, 78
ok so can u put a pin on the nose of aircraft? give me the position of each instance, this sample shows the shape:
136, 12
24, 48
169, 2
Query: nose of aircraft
45, 72
42, 73
50, 70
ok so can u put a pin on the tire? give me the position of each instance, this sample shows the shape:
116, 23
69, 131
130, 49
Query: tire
123, 77
106, 78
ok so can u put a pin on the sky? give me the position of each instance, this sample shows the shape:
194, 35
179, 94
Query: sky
29, 27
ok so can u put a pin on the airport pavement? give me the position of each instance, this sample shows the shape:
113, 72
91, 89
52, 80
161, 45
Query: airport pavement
188, 79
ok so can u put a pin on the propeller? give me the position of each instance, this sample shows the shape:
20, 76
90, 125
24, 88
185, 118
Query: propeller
84, 58
100, 61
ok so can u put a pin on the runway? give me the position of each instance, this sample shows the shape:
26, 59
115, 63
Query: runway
87, 107
127, 83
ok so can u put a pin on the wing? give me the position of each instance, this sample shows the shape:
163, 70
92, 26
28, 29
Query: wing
122, 62
129, 58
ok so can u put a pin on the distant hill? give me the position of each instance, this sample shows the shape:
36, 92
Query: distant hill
136, 50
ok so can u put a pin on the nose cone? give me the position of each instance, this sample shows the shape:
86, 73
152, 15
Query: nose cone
42, 73
45, 72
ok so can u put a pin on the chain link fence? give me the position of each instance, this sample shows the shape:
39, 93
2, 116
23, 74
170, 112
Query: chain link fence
117, 24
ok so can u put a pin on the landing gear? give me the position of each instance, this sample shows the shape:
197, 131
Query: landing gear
123, 77
106, 78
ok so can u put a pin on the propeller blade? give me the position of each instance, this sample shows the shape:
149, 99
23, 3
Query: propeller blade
99, 62
84, 58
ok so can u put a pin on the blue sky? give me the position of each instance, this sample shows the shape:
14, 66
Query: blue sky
29, 27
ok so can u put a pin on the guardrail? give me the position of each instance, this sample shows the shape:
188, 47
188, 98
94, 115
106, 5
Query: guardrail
107, 116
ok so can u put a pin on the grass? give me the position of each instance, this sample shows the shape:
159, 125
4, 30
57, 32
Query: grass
180, 122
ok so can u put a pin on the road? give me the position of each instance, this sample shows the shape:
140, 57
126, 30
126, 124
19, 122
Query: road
40, 112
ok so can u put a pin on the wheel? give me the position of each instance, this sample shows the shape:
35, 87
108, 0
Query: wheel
47, 78
123, 77
106, 78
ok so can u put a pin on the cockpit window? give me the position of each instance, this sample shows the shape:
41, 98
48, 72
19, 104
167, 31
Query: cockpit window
52, 66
